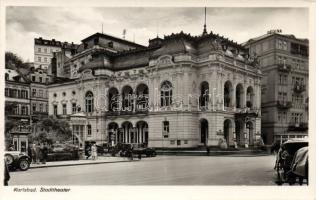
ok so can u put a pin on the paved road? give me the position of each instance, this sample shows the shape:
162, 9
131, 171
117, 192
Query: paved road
162, 170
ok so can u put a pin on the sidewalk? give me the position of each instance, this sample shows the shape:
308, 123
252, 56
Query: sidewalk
213, 152
100, 160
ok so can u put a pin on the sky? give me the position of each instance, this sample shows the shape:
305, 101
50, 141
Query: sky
72, 24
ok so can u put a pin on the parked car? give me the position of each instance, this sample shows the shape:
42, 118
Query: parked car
60, 151
287, 161
148, 152
17, 160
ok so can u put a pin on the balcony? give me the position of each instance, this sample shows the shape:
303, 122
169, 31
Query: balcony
299, 88
284, 67
303, 126
283, 105
247, 112
126, 112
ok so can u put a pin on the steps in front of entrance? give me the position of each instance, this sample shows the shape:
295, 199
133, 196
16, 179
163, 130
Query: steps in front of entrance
212, 152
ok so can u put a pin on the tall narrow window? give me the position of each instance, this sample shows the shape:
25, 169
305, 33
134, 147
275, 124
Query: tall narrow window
55, 110
89, 130
64, 109
89, 102
166, 94
74, 108
165, 129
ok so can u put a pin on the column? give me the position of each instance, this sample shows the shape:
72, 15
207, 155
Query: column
134, 102
233, 96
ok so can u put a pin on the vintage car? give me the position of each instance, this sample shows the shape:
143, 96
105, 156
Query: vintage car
59, 152
148, 152
289, 162
17, 160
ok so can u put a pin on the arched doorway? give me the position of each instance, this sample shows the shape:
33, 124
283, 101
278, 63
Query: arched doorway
250, 133
228, 132
204, 96
239, 132
228, 94
203, 131
142, 133
112, 133
239, 96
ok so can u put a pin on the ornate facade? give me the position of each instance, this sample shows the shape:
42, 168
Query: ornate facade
180, 91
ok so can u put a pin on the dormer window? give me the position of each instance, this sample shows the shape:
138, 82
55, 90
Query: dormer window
110, 44
96, 41
85, 45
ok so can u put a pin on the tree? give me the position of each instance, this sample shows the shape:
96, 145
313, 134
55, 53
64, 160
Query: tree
57, 129
12, 60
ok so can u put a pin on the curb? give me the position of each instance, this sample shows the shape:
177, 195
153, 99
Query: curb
74, 164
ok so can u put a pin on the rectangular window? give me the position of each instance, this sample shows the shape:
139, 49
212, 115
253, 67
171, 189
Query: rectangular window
45, 50
74, 108
165, 131
178, 142
89, 131
64, 109
40, 79
40, 93
33, 92
39, 50
24, 110
39, 59
6, 92
55, 110
172, 142
34, 107
33, 78
45, 59
41, 107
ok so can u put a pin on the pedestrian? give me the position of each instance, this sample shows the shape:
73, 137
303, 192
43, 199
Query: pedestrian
34, 155
207, 151
29, 152
6, 174
94, 152
38, 153
11, 147
87, 151
139, 156
44, 153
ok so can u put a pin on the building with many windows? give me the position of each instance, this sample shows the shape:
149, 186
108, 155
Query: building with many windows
17, 108
179, 91
39, 79
45, 49
284, 63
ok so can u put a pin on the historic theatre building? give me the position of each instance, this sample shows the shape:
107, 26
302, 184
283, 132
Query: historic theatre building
179, 91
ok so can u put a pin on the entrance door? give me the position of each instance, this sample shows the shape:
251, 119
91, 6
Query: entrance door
204, 131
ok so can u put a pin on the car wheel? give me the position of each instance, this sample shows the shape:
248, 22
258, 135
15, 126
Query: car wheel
24, 164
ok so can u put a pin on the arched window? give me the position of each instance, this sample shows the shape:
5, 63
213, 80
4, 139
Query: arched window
227, 94
204, 88
89, 102
166, 94
250, 97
